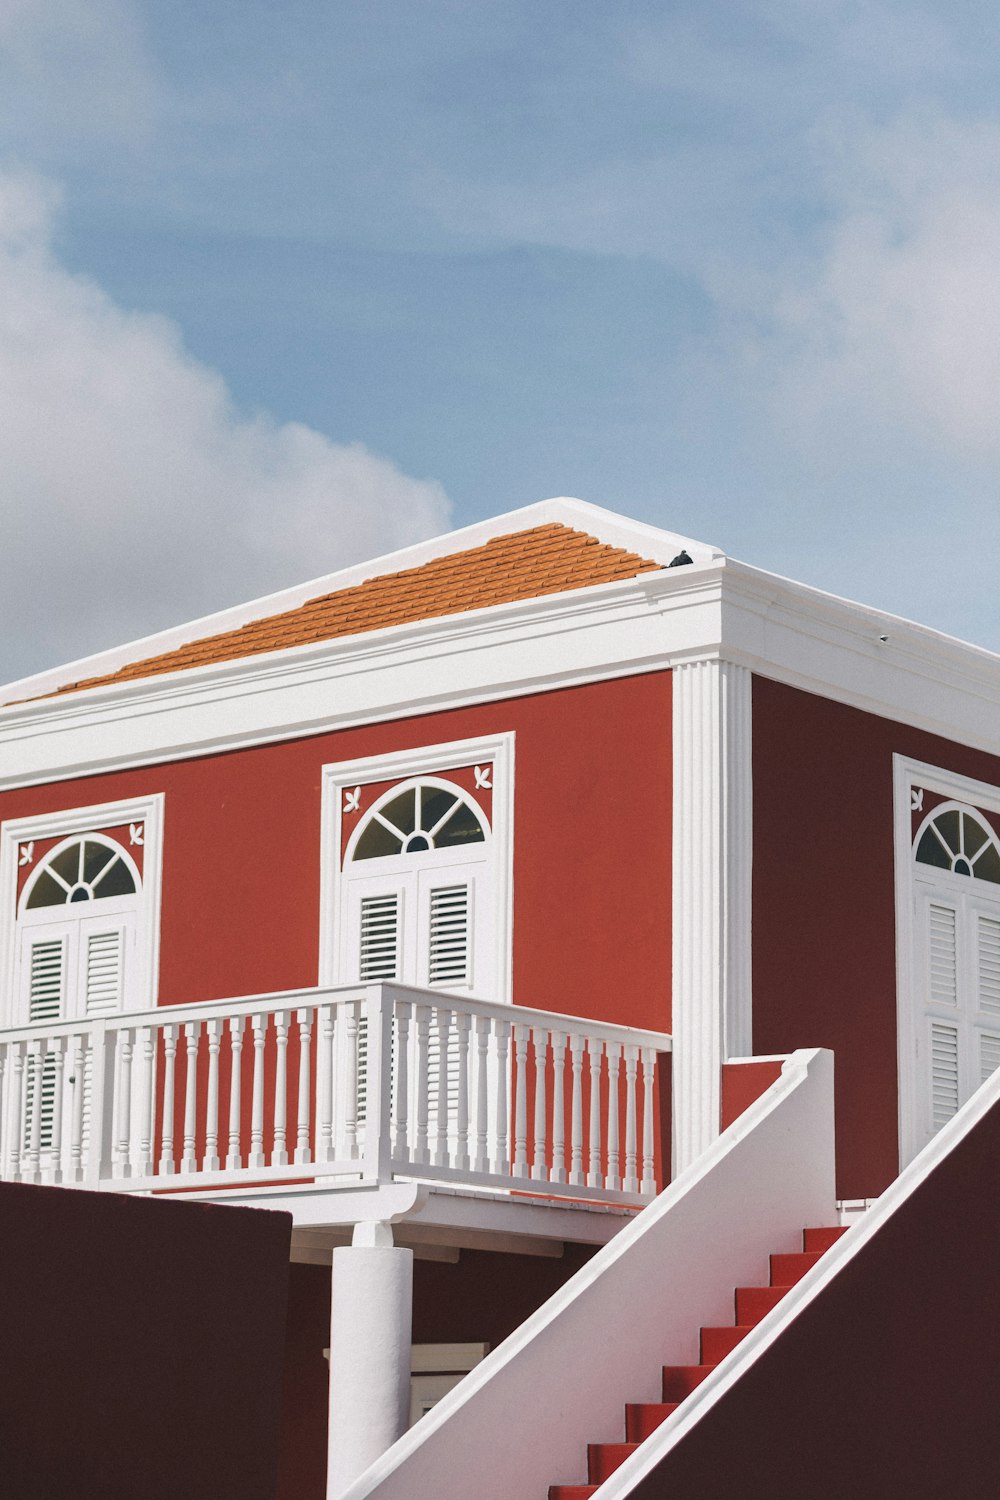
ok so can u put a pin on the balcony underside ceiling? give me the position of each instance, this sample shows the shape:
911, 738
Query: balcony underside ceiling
434, 1221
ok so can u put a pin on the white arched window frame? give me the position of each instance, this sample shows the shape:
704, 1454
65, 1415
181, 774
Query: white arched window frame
86, 877
494, 755
17, 838
78, 926
947, 945
422, 913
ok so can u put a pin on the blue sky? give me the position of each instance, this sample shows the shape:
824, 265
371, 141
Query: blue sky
285, 285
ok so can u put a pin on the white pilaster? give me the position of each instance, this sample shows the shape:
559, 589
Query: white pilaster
712, 853
370, 1322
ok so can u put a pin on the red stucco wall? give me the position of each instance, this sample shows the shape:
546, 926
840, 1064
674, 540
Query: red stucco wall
824, 962
240, 910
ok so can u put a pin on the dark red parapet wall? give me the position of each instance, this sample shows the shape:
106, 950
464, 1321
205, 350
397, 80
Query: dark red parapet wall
142, 1347
886, 1384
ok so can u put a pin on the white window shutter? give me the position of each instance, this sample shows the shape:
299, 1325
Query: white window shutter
989, 1056
943, 956
47, 979
989, 965
449, 957
103, 967
944, 1073
379, 949
46, 1100
442, 1083
379, 958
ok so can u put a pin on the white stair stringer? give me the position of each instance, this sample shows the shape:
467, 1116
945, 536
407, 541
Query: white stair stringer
563, 1377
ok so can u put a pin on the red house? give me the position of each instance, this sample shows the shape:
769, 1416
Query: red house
456, 904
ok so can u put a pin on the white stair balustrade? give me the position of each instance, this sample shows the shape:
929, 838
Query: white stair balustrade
346, 1085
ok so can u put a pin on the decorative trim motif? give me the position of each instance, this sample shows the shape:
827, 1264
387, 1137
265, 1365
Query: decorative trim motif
495, 754
19, 834
712, 855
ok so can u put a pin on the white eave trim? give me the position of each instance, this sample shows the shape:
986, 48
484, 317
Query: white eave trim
710, 609
861, 656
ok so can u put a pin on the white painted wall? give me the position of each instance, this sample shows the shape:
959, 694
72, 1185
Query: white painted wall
525, 1415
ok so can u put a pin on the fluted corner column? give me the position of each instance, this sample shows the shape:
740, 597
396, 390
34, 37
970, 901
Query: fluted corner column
712, 810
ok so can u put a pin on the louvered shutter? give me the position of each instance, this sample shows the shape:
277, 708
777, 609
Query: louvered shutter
448, 943
48, 962
47, 971
101, 972
987, 969
988, 964
379, 949
943, 956
449, 964
103, 966
942, 991
989, 1055
944, 1073
438, 1078
379, 957
104, 950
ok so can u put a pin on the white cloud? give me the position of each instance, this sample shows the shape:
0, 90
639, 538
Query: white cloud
896, 323
134, 494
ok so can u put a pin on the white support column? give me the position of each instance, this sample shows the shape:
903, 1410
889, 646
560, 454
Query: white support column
712, 852
370, 1332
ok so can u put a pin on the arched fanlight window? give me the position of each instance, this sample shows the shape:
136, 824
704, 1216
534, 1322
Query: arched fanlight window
87, 869
422, 817
955, 838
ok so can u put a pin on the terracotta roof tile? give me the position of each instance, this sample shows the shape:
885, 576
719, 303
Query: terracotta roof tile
547, 559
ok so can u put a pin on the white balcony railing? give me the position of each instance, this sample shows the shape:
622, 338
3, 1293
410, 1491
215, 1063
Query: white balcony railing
362, 1083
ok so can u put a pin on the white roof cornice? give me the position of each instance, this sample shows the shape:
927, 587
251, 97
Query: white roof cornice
658, 620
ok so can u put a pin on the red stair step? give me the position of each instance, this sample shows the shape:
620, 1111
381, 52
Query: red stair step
716, 1343
680, 1380
751, 1303
643, 1418
786, 1270
755, 1302
822, 1239
604, 1458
